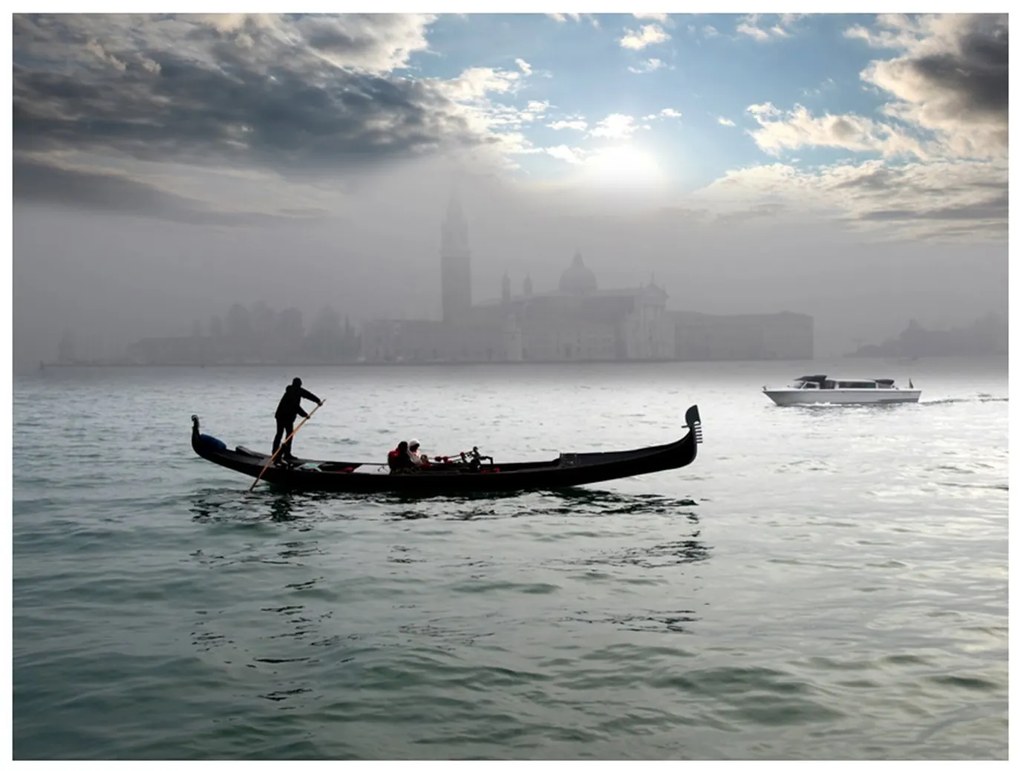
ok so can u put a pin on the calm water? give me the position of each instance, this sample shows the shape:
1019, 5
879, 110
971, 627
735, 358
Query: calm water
822, 583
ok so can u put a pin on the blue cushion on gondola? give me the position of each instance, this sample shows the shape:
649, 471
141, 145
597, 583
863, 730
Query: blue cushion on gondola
212, 441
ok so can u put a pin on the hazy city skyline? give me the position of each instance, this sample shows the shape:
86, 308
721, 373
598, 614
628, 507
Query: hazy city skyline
851, 167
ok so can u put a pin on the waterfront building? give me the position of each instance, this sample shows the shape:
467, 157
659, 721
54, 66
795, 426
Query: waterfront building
577, 321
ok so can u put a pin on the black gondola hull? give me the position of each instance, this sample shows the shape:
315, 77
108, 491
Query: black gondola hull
568, 470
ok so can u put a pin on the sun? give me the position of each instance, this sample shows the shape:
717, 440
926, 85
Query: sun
625, 166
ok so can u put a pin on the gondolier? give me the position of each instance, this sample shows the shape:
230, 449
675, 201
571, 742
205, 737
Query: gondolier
287, 412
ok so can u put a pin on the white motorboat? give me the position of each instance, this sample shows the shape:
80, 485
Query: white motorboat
821, 389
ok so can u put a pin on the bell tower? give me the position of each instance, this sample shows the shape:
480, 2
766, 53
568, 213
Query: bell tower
455, 263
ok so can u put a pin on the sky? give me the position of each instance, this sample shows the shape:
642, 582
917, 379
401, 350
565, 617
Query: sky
853, 167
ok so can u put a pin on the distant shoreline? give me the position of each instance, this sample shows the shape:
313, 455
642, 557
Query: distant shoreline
126, 365
476, 363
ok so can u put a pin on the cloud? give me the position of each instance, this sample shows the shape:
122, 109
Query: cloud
749, 29
767, 27
949, 94
931, 199
571, 155
561, 18
477, 83
952, 79
95, 47
826, 85
892, 30
278, 92
725, 121
662, 18
102, 191
665, 112
615, 126
648, 34
937, 200
799, 128
500, 123
942, 137
578, 124
535, 109
375, 43
649, 65
525, 67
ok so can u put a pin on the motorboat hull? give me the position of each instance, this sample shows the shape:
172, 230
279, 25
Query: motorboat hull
785, 397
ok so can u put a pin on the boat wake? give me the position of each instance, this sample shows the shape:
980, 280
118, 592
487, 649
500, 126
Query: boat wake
965, 400
825, 406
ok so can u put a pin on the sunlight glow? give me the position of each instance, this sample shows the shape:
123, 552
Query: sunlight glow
623, 166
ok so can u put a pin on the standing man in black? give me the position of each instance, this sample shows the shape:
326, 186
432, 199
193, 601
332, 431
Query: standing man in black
287, 412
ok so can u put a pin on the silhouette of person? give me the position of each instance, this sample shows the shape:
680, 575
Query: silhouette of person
286, 413
399, 459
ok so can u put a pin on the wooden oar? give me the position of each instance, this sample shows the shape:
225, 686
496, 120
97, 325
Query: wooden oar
284, 444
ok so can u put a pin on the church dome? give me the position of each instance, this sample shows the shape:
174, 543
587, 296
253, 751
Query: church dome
578, 278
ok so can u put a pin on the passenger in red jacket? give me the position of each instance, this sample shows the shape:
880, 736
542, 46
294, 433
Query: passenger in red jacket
399, 459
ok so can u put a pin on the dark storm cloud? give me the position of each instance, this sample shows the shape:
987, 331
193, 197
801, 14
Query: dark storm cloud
326, 34
101, 192
976, 73
211, 90
954, 80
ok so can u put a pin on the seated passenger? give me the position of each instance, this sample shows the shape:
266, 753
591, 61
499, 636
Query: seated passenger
474, 458
416, 458
399, 460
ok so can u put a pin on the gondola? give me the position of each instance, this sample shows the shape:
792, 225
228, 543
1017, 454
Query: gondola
466, 474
